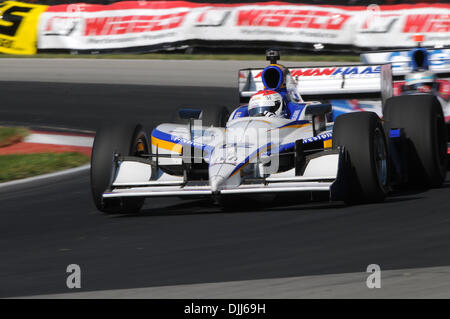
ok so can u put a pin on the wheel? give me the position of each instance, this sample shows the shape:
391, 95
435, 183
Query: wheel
123, 139
423, 123
215, 116
367, 166
211, 116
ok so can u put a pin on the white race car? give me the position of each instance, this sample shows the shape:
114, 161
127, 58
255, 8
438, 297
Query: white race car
278, 143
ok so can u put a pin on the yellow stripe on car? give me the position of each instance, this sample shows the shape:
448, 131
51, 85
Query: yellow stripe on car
250, 159
296, 125
170, 146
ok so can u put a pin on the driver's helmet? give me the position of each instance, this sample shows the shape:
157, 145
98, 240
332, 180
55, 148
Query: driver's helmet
420, 81
266, 103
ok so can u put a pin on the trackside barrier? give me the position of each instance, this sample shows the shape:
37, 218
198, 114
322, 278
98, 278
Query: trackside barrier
159, 25
18, 27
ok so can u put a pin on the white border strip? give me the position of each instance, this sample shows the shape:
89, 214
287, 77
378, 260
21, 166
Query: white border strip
55, 139
45, 176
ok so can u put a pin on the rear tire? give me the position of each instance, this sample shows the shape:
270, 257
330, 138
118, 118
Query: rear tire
366, 169
423, 123
123, 139
211, 116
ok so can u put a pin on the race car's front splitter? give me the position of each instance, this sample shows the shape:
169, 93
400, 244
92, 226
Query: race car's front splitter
134, 177
161, 191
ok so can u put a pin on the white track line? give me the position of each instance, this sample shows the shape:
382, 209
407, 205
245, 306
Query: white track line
45, 176
42, 138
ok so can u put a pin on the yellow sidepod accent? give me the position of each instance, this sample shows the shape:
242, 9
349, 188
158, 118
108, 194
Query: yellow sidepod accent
170, 146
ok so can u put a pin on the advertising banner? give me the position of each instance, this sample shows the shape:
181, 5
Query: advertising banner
18, 27
167, 24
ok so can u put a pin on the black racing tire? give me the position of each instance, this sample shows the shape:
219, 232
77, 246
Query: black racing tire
423, 123
367, 166
211, 116
215, 116
121, 139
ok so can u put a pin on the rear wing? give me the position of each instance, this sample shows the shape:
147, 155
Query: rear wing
439, 60
328, 82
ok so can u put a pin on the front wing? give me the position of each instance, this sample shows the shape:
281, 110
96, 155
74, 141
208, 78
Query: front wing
133, 178
205, 190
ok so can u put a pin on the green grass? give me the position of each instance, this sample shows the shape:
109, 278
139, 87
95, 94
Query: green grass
19, 166
10, 135
181, 56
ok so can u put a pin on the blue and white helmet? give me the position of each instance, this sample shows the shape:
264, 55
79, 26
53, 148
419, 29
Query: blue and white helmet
266, 102
419, 78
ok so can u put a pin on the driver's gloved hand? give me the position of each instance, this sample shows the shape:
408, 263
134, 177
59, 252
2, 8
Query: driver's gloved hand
268, 114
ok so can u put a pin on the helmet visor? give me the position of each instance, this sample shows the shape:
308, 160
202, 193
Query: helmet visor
261, 108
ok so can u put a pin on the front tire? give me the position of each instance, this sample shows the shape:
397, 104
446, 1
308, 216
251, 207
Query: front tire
110, 139
366, 168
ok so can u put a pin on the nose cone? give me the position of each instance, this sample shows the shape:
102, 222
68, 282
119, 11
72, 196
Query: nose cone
215, 182
219, 175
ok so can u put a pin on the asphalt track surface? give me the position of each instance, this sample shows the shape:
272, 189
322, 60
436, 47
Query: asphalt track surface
48, 225
207, 73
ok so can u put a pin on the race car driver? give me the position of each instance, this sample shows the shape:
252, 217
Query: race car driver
267, 103
419, 81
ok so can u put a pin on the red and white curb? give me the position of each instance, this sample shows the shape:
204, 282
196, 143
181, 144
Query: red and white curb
56, 142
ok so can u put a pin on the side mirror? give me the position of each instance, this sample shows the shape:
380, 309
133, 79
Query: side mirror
318, 114
188, 113
318, 109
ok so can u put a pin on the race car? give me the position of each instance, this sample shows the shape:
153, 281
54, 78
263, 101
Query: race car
273, 142
419, 71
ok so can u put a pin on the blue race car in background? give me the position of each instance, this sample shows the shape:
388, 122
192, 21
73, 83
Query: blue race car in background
419, 71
